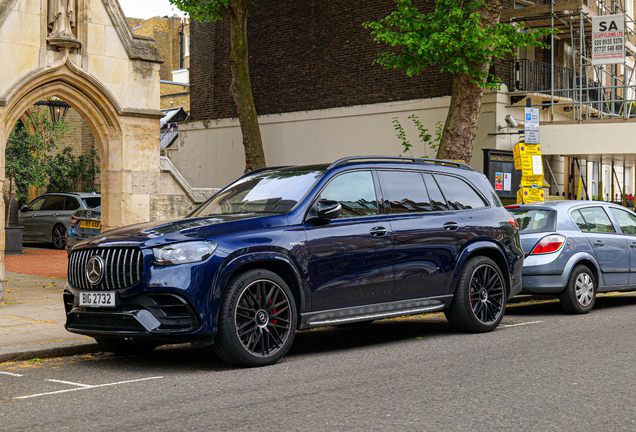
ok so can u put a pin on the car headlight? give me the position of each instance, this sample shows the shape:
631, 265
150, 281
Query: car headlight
183, 253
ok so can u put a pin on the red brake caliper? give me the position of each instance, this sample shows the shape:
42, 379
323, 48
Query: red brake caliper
272, 312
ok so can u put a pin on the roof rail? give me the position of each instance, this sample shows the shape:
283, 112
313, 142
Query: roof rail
257, 170
346, 160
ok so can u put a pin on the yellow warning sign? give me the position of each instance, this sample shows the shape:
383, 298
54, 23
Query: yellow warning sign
528, 159
527, 194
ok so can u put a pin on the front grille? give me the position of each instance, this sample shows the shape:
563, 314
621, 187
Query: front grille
104, 322
123, 268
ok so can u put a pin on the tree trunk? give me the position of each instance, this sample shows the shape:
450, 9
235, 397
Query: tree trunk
460, 128
241, 87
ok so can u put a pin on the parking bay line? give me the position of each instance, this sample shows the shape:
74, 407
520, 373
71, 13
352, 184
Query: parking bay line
85, 387
520, 324
11, 374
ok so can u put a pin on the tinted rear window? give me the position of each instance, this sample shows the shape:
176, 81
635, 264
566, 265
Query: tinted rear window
92, 202
406, 191
459, 195
531, 221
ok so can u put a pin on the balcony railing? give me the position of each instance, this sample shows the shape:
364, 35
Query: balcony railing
531, 76
535, 76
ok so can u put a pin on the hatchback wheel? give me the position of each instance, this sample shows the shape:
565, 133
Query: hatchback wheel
480, 297
58, 236
579, 294
123, 346
257, 319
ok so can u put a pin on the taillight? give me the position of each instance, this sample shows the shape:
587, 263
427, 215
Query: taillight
514, 206
548, 244
74, 220
513, 222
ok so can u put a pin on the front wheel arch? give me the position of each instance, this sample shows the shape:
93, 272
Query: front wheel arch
279, 265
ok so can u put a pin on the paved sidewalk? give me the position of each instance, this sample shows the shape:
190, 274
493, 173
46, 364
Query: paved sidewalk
32, 320
38, 262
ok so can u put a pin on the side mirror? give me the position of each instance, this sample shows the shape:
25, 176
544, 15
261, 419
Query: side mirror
328, 210
323, 211
24, 208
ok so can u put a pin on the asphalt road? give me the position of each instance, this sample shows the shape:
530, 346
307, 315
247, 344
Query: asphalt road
552, 372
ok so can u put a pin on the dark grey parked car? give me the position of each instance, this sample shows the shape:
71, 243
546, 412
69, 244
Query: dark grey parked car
48, 217
576, 249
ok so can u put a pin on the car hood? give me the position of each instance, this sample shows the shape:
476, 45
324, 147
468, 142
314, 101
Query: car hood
153, 234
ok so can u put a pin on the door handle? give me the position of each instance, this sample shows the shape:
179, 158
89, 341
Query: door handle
33, 216
55, 215
378, 231
598, 243
451, 226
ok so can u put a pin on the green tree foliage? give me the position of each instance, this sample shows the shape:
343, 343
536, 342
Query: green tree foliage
69, 173
425, 137
463, 38
27, 153
235, 12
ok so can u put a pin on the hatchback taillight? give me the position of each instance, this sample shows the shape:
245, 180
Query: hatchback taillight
74, 220
513, 222
548, 244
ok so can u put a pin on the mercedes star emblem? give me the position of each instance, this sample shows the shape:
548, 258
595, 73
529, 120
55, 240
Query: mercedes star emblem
95, 270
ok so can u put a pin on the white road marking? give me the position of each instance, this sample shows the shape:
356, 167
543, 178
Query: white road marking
12, 374
520, 324
68, 382
87, 387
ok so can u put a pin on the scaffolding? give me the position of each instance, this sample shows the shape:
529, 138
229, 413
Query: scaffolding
585, 90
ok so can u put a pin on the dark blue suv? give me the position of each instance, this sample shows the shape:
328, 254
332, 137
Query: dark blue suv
289, 248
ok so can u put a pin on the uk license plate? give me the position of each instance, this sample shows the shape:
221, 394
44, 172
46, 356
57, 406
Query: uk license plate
104, 299
90, 224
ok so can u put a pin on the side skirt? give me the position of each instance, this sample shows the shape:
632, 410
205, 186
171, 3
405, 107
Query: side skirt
373, 312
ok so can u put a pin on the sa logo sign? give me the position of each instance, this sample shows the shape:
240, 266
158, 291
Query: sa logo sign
604, 27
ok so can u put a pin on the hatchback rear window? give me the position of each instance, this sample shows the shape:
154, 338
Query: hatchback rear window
534, 220
92, 202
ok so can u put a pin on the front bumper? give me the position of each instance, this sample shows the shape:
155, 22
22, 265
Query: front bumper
166, 304
154, 315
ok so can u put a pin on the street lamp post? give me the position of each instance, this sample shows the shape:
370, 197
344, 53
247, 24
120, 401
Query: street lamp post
57, 108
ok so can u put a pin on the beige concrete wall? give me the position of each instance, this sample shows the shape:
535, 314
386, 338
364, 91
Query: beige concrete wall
210, 154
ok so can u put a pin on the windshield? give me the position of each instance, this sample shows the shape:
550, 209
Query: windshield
534, 221
268, 192
92, 202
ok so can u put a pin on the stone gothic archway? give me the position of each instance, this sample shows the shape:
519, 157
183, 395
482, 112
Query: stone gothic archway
108, 75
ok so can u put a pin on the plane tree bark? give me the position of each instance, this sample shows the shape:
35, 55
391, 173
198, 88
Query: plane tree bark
236, 14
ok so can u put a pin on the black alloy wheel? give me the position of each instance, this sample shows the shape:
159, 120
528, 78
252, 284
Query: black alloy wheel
59, 236
480, 297
257, 319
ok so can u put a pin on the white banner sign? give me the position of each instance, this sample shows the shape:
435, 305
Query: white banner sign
608, 39
531, 125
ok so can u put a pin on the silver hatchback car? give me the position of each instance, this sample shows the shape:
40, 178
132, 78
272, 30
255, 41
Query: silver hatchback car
48, 217
575, 249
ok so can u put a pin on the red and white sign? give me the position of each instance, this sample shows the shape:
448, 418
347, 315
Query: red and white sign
608, 39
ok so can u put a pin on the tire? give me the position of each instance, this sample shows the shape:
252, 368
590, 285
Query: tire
257, 319
122, 346
58, 236
579, 294
480, 297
